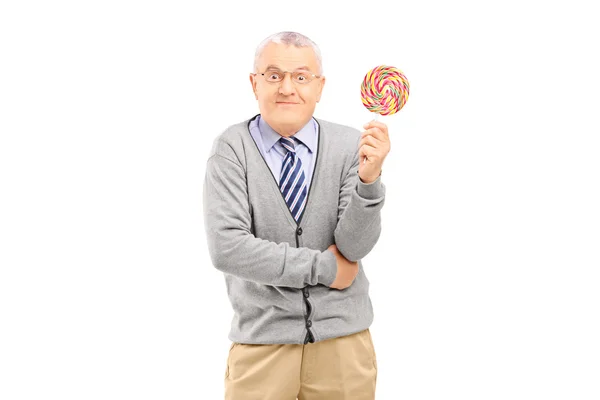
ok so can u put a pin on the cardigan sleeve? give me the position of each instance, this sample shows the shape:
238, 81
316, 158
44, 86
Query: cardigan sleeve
359, 214
235, 250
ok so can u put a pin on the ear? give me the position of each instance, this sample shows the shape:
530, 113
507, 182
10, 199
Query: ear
320, 89
253, 83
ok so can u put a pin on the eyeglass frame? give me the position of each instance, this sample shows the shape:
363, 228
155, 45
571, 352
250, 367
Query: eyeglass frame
314, 76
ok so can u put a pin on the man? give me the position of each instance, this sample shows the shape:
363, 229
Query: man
291, 205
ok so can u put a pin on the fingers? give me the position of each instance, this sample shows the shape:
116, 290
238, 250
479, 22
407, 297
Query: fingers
375, 137
377, 129
374, 132
367, 151
376, 124
370, 140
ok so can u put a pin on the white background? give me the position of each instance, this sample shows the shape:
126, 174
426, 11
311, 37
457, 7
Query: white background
485, 281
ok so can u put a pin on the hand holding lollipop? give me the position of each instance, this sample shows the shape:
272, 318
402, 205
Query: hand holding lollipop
384, 91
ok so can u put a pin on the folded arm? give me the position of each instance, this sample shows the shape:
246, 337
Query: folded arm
235, 250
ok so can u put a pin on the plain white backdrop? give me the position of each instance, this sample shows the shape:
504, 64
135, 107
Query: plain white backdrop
485, 281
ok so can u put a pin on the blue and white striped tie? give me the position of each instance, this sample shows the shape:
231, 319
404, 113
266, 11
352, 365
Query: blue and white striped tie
292, 182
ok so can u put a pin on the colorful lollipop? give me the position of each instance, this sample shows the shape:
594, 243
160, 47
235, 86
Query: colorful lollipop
384, 90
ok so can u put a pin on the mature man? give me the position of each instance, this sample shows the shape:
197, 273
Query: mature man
291, 205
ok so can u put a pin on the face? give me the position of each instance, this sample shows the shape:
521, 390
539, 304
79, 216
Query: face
287, 106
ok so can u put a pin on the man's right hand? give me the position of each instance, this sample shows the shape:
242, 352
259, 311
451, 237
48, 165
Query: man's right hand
346, 270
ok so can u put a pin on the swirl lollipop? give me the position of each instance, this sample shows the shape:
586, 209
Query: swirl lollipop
384, 90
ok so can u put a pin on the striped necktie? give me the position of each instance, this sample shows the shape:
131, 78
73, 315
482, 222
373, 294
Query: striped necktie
292, 182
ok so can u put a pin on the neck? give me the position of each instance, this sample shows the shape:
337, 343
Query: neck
286, 130
286, 133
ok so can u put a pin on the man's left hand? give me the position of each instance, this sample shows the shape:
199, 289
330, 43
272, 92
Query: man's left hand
374, 146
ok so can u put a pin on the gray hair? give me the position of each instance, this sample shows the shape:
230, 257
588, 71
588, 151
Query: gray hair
289, 38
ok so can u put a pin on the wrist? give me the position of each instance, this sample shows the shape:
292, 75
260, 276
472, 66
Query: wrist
369, 180
370, 189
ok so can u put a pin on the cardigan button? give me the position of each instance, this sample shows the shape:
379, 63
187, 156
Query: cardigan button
299, 231
309, 323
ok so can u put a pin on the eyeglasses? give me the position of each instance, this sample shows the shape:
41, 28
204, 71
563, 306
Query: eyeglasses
301, 77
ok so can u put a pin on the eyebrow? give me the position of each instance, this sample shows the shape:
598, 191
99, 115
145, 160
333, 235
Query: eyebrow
273, 66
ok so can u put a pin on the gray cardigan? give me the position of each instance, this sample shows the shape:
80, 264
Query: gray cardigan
277, 271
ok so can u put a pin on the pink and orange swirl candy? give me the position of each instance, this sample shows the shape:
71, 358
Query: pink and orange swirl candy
384, 90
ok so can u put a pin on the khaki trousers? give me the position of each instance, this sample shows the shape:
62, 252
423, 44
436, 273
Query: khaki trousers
343, 368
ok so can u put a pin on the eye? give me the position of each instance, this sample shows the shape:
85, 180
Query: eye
302, 77
274, 75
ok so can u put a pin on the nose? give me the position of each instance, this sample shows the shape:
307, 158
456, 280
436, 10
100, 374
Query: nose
287, 87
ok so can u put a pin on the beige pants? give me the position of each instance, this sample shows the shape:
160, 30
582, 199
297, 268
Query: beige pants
343, 368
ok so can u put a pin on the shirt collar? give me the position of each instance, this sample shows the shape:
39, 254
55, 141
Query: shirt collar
307, 135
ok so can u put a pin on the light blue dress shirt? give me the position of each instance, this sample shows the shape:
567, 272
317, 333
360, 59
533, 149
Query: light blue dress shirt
273, 151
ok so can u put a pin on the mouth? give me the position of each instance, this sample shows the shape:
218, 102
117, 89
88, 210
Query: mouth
285, 102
